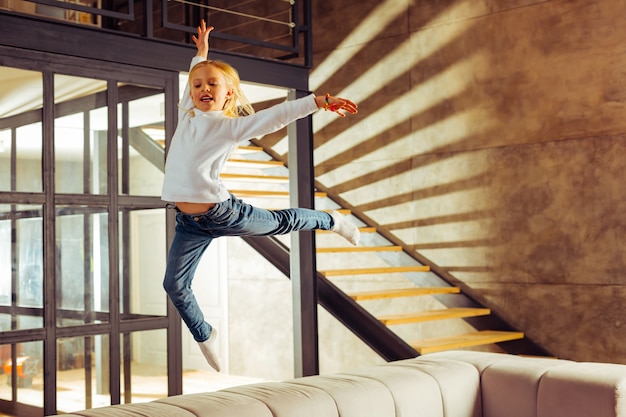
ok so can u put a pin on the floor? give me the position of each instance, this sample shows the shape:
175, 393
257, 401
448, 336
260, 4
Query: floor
147, 385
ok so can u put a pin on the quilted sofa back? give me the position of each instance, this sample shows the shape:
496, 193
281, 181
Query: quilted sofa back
447, 384
515, 386
411, 388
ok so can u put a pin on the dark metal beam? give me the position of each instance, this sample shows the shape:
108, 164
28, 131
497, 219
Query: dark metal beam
115, 359
303, 266
49, 249
147, 148
174, 329
79, 105
76, 41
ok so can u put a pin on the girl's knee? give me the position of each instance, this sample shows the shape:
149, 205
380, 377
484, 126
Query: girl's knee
171, 286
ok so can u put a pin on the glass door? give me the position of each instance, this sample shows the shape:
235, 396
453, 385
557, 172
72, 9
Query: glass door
83, 236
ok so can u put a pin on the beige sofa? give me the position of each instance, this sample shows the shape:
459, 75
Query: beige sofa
446, 384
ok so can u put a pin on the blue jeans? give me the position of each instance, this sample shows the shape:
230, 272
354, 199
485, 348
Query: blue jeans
233, 217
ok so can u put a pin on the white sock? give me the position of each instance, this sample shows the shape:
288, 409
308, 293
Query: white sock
208, 351
345, 228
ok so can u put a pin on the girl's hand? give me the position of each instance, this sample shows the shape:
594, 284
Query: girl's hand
336, 104
202, 40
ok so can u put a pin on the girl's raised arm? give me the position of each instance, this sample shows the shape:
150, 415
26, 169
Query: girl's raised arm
202, 43
202, 40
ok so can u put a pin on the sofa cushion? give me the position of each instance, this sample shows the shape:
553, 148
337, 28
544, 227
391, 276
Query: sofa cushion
217, 404
480, 360
355, 396
509, 387
459, 384
284, 399
402, 383
583, 390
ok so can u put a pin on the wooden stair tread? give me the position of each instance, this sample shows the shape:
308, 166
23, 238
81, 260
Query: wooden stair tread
248, 149
254, 163
402, 292
342, 211
268, 193
360, 249
384, 270
361, 229
431, 315
484, 337
254, 178
240, 149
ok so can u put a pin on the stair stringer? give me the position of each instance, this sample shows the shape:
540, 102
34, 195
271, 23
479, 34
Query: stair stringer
364, 325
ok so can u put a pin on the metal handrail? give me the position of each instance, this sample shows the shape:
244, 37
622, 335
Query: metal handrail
154, 20
291, 24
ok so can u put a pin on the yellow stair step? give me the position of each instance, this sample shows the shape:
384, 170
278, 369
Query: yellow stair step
254, 178
345, 212
402, 292
361, 229
360, 249
248, 149
267, 193
384, 270
240, 149
253, 163
431, 315
484, 337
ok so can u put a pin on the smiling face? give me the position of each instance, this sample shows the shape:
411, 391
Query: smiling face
208, 88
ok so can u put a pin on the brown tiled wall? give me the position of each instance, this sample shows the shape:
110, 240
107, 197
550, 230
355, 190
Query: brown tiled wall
490, 139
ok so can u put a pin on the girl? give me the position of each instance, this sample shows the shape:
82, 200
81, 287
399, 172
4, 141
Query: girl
209, 129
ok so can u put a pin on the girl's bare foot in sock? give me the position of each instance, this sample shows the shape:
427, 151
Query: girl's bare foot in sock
345, 228
208, 350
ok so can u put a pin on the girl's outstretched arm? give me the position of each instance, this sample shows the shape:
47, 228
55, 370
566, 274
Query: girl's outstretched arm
202, 40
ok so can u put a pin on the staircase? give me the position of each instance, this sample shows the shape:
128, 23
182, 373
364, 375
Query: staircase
253, 175
391, 272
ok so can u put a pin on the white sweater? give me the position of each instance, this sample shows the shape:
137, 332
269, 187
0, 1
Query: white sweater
202, 143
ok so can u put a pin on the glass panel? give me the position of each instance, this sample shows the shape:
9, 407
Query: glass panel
49, 11
80, 135
144, 370
21, 100
82, 265
144, 255
6, 392
99, 169
29, 373
82, 373
28, 158
6, 261
141, 167
26, 380
21, 271
5, 159
69, 146
30, 266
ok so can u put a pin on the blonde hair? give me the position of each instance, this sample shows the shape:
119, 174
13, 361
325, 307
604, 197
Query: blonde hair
238, 104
